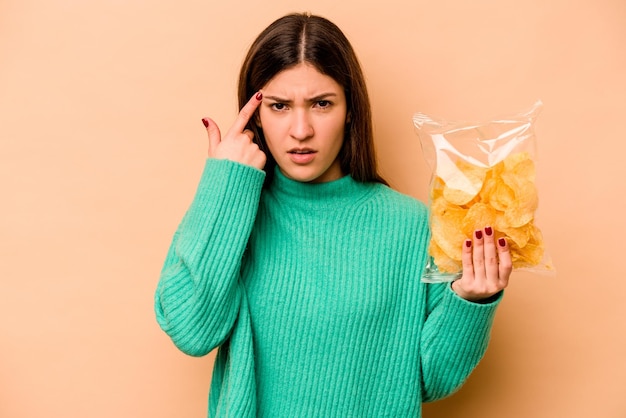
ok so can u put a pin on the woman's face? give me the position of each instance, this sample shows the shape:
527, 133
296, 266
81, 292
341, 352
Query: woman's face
303, 116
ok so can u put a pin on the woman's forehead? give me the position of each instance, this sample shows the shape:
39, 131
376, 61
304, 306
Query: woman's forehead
302, 80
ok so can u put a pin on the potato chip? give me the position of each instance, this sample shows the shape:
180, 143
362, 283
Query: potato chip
437, 188
522, 209
521, 164
530, 255
502, 195
445, 221
444, 263
478, 216
520, 235
488, 189
463, 183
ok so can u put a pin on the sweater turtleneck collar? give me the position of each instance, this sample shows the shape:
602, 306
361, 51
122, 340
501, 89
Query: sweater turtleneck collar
315, 196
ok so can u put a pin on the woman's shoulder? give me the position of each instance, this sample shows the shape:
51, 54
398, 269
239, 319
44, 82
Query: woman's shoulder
399, 218
395, 202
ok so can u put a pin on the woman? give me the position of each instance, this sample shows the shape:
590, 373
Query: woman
303, 267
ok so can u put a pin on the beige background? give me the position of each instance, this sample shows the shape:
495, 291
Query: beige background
101, 147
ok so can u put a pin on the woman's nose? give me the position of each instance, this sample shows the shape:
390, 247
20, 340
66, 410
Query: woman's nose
301, 126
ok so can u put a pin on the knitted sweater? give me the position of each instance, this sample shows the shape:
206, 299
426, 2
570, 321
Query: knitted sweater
312, 293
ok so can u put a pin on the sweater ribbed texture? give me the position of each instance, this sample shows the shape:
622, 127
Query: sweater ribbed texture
312, 293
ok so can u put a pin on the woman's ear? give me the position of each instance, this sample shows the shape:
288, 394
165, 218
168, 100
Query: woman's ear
257, 120
348, 118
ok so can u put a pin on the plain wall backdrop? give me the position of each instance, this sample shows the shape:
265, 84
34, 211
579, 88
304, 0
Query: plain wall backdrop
101, 148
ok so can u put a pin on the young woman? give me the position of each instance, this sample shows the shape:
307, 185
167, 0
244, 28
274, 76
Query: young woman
303, 267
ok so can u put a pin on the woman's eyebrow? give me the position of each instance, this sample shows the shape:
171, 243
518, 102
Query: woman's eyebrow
316, 98
275, 98
323, 96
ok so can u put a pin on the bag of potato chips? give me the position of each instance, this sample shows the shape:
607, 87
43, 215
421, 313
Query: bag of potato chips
483, 174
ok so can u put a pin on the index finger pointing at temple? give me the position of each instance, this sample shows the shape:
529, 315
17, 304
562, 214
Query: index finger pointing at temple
246, 113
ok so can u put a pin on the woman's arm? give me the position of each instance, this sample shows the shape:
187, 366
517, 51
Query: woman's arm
454, 339
197, 298
460, 315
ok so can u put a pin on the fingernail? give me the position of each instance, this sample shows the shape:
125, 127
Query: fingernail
479, 234
259, 96
468, 243
205, 122
488, 231
502, 242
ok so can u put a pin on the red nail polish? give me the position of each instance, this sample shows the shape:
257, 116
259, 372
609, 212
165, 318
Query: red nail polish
479, 234
502, 242
468, 243
488, 231
205, 122
259, 96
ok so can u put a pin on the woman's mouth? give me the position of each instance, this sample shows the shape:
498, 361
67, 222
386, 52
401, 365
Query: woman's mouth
301, 155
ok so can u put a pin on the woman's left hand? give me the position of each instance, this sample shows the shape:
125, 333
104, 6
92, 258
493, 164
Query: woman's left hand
487, 266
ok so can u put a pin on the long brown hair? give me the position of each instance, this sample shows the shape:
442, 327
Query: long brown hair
297, 38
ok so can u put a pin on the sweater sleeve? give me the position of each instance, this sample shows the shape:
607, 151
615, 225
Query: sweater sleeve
198, 295
454, 339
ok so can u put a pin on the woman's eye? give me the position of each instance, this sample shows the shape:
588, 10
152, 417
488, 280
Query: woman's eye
323, 103
278, 106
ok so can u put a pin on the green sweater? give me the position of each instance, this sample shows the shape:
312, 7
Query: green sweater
312, 293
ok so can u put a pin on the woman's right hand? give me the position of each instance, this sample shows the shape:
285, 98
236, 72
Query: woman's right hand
237, 144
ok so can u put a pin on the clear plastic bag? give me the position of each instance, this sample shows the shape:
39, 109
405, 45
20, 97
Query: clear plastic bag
483, 174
